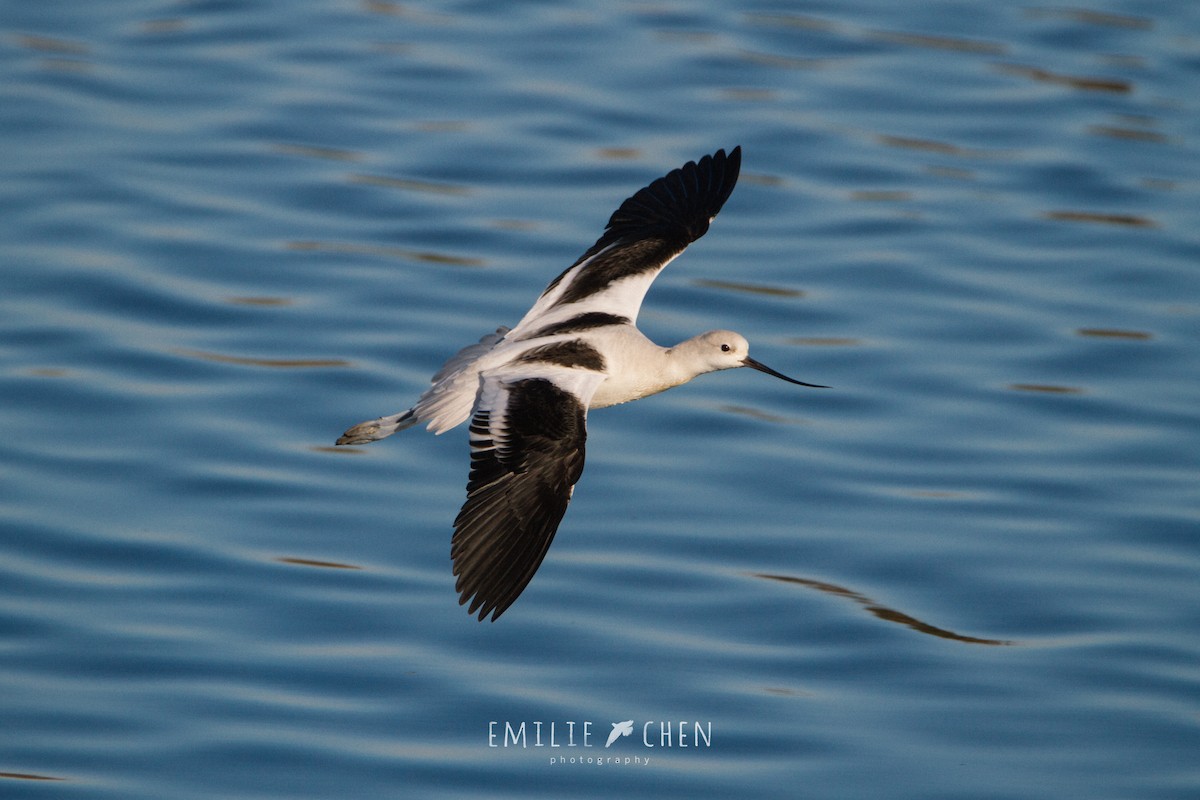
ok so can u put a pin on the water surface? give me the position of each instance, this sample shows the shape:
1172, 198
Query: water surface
969, 569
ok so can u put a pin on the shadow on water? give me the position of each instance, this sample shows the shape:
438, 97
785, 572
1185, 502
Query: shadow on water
277, 363
1128, 220
748, 288
884, 613
1086, 83
25, 776
309, 562
380, 251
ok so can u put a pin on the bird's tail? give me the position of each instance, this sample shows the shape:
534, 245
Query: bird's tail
375, 429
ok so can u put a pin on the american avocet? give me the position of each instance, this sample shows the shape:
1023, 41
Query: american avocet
527, 390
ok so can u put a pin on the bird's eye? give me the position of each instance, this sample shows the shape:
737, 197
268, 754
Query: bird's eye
725, 348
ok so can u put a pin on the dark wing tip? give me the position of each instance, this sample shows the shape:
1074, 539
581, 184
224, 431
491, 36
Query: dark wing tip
518, 491
500, 539
656, 223
681, 203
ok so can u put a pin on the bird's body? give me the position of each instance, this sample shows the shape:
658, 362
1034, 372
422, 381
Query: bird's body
527, 390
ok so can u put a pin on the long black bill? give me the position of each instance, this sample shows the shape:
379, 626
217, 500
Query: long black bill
750, 362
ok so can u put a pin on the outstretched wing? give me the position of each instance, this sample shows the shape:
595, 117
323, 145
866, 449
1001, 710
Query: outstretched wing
649, 230
527, 449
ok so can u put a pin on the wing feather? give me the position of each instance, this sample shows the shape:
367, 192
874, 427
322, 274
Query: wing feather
528, 436
643, 235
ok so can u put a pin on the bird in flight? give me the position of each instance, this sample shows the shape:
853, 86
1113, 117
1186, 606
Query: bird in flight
527, 389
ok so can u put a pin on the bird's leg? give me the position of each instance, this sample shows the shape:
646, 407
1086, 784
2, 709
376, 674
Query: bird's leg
375, 429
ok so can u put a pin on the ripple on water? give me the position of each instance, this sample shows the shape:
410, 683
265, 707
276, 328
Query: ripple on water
968, 569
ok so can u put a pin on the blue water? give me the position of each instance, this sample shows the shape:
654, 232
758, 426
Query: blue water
969, 569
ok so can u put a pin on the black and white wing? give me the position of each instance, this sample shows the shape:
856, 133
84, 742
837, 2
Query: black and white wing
527, 435
650, 229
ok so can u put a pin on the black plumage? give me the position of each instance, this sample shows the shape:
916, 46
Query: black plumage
654, 225
525, 460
